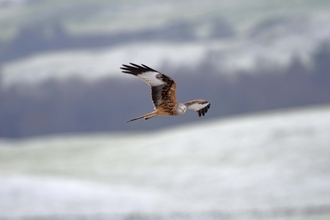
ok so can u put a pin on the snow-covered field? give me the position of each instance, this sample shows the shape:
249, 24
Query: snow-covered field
267, 33
275, 47
269, 166
95, 64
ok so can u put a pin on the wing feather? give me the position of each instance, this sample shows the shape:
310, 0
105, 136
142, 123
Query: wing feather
162, 86
200, 106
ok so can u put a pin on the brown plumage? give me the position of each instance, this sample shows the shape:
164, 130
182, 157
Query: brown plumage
163, 93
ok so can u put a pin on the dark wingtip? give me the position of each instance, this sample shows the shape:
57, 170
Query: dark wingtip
135, 69
204, 110
124, 66
133, 64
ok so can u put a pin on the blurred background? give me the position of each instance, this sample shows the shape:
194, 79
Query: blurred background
261, 152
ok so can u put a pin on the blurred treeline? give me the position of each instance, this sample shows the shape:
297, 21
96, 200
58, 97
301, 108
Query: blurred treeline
79, 106
52, 36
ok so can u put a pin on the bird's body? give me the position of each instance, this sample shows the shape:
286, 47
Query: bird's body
163, 93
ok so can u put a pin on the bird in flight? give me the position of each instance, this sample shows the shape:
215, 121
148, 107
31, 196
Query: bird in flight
163, 93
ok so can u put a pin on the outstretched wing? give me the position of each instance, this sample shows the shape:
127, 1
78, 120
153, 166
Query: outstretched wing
200, 106
162, 86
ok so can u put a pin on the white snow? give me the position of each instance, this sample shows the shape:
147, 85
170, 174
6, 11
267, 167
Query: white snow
275, 47
42, 196
96, 64
269, 164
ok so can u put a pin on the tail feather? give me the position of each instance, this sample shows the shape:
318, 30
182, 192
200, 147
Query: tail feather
146, 116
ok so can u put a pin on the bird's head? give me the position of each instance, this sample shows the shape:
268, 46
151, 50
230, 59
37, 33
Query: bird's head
181, 108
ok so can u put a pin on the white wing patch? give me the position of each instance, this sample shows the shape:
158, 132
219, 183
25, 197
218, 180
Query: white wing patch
200, 106
197, 106
151, 78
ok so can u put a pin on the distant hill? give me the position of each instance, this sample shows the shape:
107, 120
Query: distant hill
33, 26
59, 60
76, 105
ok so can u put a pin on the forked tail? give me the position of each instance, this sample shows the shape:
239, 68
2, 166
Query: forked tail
146, 116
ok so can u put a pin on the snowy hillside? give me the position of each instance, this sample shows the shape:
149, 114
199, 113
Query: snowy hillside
274, 46
270, 166
261, 33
